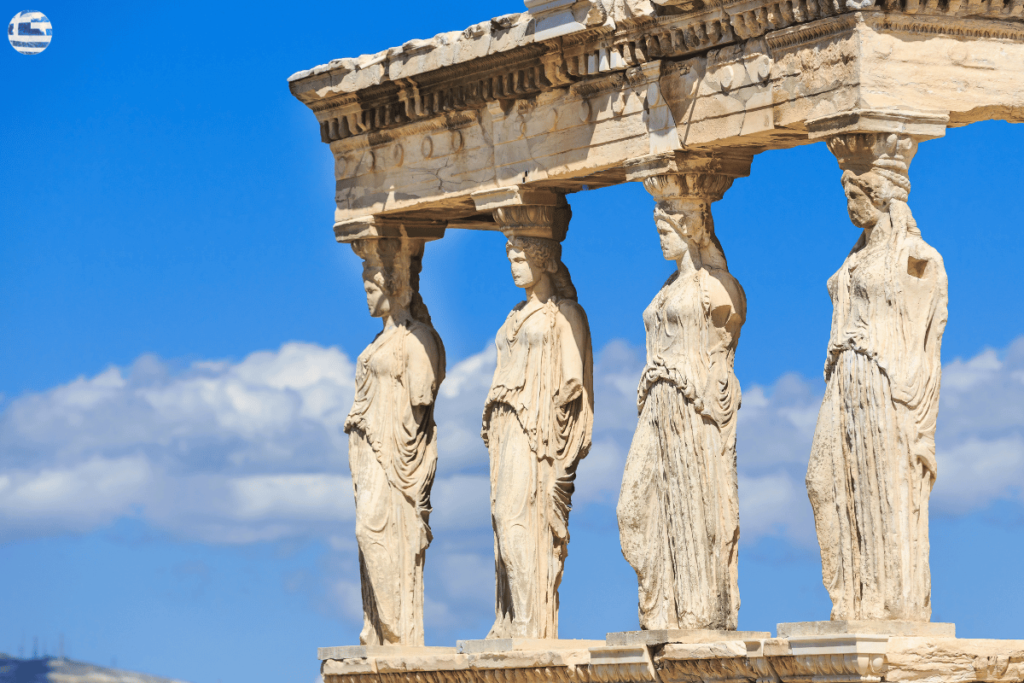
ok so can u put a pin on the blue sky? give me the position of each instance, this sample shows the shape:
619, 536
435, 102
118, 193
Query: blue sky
177, 328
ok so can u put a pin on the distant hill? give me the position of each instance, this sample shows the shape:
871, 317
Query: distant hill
52, 670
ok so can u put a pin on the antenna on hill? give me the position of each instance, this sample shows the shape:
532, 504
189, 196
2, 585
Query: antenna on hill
61, 653
35, 647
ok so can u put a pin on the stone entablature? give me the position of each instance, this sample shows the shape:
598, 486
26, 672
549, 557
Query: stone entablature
507, 58
418, 129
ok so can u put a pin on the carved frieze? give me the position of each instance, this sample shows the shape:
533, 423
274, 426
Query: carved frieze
830, 658
622, 664
830, 668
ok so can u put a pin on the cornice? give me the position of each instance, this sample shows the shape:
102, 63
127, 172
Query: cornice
587, 61
925, 25
809, 33
990, 29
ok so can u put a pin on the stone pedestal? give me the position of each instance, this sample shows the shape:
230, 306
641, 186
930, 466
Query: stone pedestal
824, 652
662, 637
469, 647
889, 628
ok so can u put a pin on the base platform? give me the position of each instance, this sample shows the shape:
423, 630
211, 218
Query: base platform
808, 652
891, 628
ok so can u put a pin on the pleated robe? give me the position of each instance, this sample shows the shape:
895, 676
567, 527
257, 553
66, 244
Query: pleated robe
678, 507
872, 464
393, 457
536, 440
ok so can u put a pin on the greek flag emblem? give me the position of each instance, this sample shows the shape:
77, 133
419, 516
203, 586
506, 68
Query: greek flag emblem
29, 32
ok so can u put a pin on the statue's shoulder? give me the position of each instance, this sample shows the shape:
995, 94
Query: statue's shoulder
724, 289
573, 314
425, 334
922, 250
511, 314
723, 278
568, 307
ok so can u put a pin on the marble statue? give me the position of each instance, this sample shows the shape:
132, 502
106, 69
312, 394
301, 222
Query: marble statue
393, 443
537, 425
678, 511
872, 462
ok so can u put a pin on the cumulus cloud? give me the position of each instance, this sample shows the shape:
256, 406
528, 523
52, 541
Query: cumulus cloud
980, 438
222, 452
253, 451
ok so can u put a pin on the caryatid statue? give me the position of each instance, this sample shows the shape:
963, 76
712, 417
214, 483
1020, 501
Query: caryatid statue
393, 442
537, 423
678, 507
872, 463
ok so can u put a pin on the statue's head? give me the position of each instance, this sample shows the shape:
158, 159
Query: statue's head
532, 259
386, 276
681, 223
869, 194
377, 296
535, 258
875, 172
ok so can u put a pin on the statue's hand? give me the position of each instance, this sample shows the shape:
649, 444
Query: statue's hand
568, 392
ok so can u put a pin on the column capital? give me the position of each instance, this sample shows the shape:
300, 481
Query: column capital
388, 227
878, 140
919, 125
731, 163
703, 176
882, 141
525, 212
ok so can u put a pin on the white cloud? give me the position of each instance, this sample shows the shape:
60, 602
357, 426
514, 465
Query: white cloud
980, 436
254, 451
79, 498
226, 452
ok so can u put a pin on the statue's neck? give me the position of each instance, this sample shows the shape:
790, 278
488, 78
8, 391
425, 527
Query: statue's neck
690, 262
396, 319
879, 232
541, 291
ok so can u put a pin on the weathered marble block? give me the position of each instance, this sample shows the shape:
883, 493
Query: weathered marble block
734, 658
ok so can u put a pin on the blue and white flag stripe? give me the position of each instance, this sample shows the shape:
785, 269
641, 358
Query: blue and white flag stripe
30, 32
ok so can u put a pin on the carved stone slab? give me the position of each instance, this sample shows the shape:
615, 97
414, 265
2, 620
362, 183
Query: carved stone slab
683, 636
840, 658
569, 94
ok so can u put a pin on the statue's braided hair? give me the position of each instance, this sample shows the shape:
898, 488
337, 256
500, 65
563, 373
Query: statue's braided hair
395, 265
547, 255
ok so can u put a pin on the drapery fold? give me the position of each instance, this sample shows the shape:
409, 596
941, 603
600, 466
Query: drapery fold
536, 438
678, 507
872, 463
393, 458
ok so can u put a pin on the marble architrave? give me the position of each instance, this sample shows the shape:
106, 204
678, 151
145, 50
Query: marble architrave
678, 508
393, 442
537, 422
872, 464
566, 94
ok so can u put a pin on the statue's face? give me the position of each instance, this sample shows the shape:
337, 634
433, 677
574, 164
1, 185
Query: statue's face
673, 246
376, 300
524, 272
863, 211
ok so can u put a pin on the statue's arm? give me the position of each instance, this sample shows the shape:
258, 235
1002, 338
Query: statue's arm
422, 359
728, 304
573, 338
